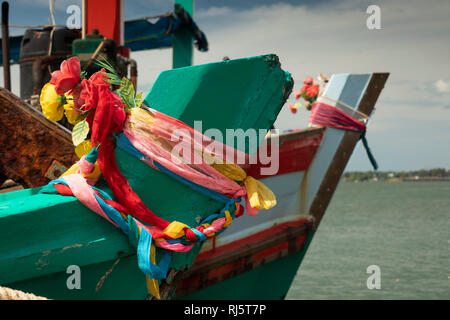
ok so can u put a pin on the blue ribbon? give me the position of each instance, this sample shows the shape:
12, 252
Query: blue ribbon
143, 252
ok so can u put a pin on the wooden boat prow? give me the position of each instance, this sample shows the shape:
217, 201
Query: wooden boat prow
242, 93
259, 256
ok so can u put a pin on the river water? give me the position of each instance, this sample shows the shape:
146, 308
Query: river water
401, 228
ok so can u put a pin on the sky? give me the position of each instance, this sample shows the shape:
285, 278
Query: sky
409, 129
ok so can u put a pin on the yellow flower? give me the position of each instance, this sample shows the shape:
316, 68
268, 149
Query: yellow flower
83, 148
71, 114
51, 103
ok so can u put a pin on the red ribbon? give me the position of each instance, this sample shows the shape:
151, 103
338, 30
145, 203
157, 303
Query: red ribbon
323, 114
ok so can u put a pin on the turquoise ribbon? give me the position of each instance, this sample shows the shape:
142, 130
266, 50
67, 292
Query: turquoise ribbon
152, 270
92, 155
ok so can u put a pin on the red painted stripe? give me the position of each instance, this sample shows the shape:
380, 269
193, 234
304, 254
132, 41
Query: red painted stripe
227, 268
294, 155
189, 282
247, 240
270, 251
300, 240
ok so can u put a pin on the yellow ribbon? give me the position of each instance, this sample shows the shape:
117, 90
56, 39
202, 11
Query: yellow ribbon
82, 150
175, 229
153, 284
228, 218
93, 175
259, 195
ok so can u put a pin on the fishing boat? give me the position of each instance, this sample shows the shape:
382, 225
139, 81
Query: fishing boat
44, 235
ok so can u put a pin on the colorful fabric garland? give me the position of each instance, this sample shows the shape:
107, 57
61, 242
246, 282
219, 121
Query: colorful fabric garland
79, 181
176, 237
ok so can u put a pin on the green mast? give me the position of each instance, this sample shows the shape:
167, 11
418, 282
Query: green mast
182, 40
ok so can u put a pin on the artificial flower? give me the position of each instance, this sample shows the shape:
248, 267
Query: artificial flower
308, 105
83, 148
308, 81
312, 91
119, 114
88, 97
109, 116
71, 113
293, 107
68, 76
100, 78
51, 103
304, 88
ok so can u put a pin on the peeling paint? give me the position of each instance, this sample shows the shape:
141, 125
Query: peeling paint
46, 253
41, 263
77, 245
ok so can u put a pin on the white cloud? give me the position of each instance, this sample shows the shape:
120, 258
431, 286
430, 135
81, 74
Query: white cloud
442, 86
59, 4
212, 12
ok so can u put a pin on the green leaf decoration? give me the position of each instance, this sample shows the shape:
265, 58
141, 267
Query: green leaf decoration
138, 99
127, 92
107, 65
113, 79
112, 74
80, 132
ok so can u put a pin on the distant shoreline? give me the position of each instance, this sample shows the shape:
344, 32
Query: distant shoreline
429, 179
438, 174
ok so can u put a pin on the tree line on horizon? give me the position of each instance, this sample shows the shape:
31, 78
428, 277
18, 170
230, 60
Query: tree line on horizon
435, 173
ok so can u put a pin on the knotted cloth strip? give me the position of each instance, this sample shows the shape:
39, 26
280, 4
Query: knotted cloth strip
330, 113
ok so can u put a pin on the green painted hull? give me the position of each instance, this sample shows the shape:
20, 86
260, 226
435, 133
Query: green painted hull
277, 275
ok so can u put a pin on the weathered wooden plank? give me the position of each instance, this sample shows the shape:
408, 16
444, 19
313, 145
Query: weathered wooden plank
32, 147
344, 150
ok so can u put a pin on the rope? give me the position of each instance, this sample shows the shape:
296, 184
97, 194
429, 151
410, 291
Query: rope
11, 294
51, 4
